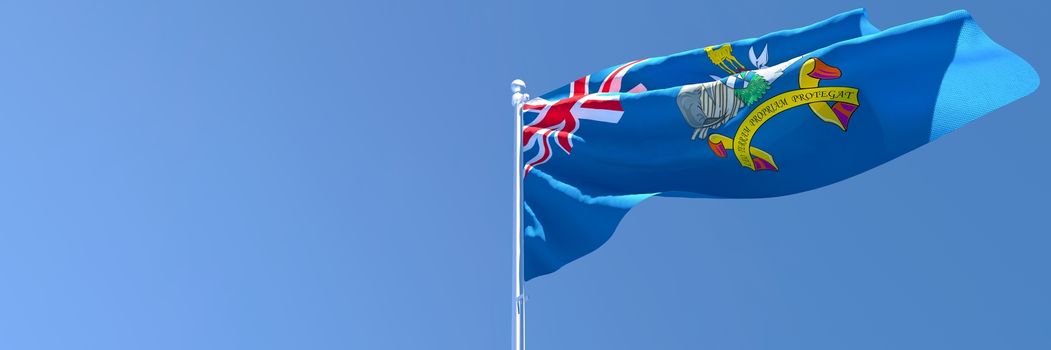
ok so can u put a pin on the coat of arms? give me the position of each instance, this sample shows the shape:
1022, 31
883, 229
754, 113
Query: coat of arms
708, 106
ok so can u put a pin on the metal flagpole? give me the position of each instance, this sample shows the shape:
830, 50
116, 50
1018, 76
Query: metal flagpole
518, 99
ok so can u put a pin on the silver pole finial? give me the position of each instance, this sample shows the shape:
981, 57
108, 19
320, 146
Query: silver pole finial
519, 97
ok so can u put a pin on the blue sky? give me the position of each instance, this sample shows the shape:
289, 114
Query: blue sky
337, 175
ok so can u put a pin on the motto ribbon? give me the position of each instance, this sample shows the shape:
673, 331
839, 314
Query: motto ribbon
844, 99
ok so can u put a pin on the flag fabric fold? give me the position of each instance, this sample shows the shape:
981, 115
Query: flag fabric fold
777, 115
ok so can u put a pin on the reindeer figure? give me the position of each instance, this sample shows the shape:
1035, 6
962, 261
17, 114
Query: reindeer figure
723, 57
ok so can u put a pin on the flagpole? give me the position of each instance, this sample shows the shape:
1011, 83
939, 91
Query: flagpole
518, 100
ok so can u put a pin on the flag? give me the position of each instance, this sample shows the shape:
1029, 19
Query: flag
772, 116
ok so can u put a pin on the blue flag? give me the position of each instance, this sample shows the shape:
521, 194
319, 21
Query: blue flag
780, 114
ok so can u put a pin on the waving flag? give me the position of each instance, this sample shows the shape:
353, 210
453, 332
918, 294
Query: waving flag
776, 115
556, 116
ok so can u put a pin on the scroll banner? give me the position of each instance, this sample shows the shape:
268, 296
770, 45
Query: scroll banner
844, 102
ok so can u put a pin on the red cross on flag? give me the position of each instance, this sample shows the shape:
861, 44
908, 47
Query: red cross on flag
561, 118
